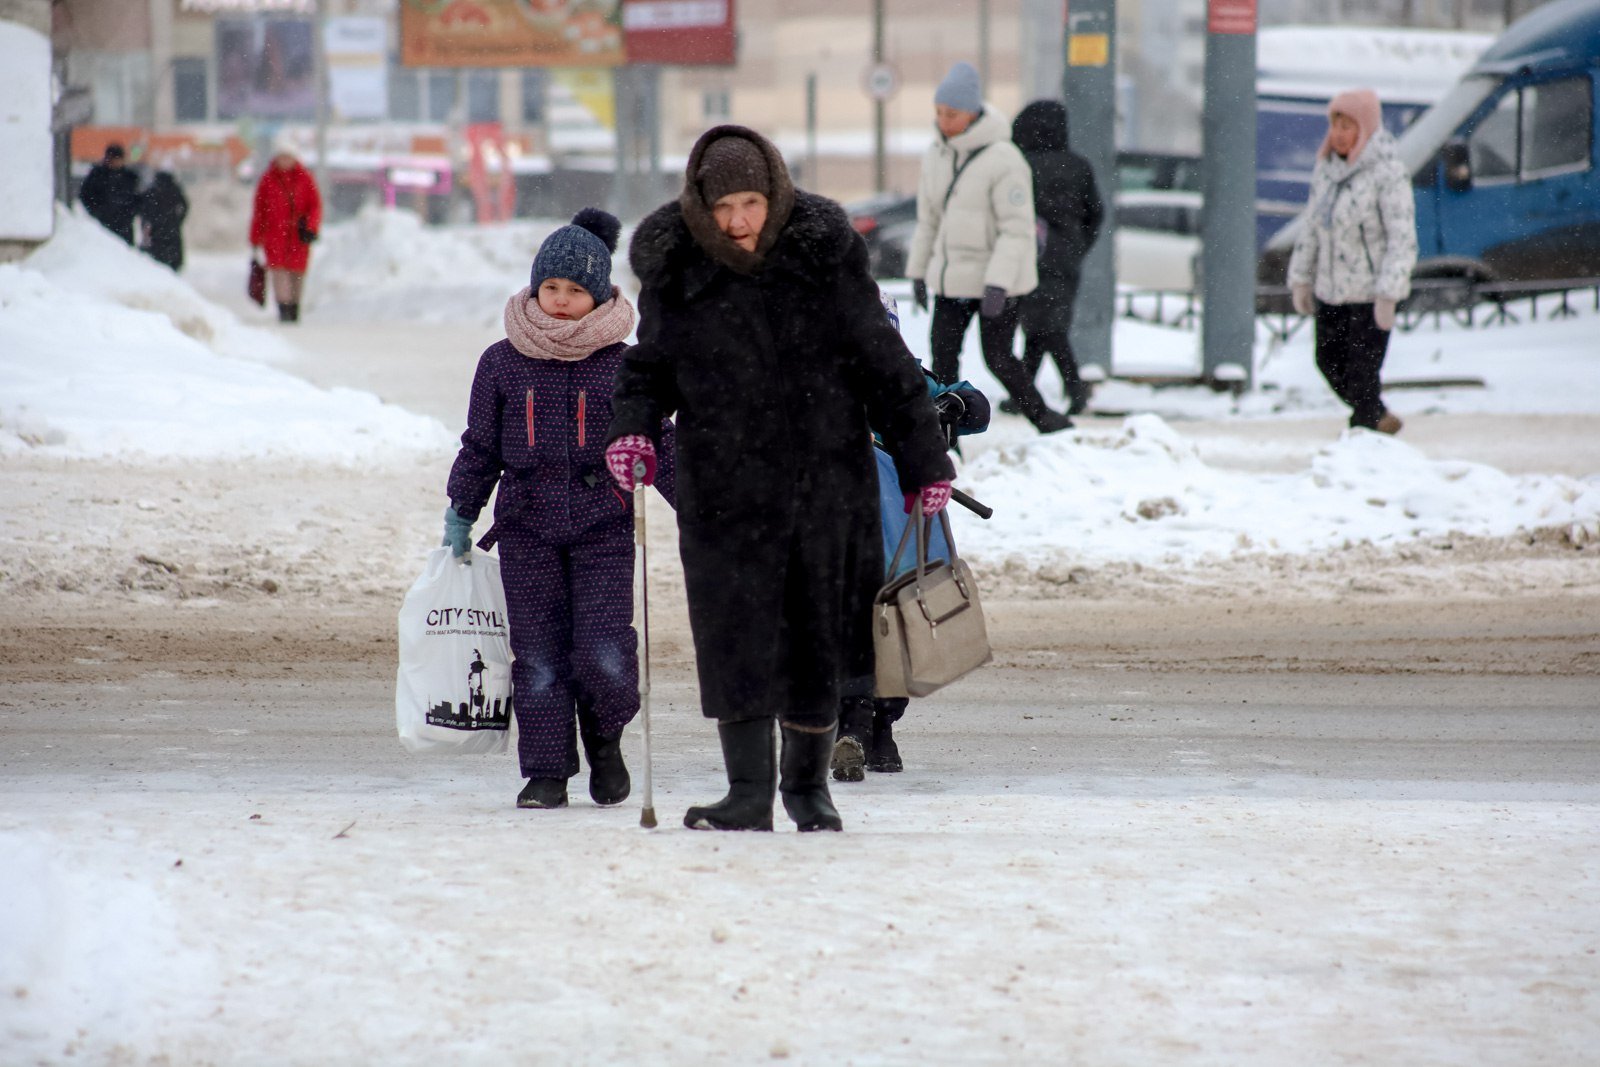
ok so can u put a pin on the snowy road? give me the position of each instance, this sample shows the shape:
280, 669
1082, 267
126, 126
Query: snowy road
1221, 834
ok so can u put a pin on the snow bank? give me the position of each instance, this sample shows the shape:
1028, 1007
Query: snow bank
87, 951
84, 257
84, 371
386, 265
1144, 495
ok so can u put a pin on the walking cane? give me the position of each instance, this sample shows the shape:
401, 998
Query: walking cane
647, 816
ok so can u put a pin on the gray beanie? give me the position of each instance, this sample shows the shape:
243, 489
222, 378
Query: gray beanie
961, 89
580, 252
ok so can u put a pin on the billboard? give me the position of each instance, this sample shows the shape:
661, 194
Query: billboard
679, 32
511, 33
358, 72
266, 68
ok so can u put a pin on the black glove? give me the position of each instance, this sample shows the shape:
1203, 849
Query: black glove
919, 293
307, 234
994, 301
951, 407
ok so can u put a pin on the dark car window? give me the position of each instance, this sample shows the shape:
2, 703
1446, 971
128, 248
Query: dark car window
1557, 118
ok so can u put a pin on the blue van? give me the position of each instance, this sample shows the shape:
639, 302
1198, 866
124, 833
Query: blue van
1505, 166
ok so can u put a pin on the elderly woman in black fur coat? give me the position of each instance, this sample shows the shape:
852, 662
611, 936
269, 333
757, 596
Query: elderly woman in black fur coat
761, 330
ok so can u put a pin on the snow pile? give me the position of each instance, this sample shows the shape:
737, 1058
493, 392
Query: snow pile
84, 257
1144, 495
387, 265
85, 373
90, 946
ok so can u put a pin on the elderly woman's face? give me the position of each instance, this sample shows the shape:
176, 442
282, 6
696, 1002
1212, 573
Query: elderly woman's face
741, 216
1343, 131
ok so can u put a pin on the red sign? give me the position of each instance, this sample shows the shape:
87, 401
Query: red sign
1231, 16
679, 32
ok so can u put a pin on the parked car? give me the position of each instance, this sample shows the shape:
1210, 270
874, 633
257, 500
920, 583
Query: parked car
886, 222
1158, 239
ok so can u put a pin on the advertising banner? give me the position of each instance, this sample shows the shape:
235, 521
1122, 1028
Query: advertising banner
266, 68
358, 74
680, 32
1231, 16
511, 33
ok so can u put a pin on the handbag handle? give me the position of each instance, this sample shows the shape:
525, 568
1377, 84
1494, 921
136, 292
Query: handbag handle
924, 529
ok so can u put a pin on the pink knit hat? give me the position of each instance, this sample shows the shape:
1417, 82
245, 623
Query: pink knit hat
1361, 105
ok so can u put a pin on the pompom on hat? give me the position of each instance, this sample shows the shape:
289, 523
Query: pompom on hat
580, 252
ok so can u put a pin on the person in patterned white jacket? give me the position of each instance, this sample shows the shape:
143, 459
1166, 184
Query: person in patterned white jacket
1352, 263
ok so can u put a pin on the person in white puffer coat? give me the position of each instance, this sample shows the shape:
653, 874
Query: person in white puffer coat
975, 247
1352, 263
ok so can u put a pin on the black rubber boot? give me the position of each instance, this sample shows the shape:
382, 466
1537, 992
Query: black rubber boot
885, 758
854, 745
543, 793
608, 775
807, 754
294, 312
284, 313
747, 755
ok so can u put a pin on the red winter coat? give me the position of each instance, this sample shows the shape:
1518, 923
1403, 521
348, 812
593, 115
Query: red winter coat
283, 198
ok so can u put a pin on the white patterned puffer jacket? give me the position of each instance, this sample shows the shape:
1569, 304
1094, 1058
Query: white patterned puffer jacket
1358, 241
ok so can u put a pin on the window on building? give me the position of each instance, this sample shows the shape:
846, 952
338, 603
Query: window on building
716, 105
441, 95
190, 91
1557, 118
535, 87
405, 94
483, 96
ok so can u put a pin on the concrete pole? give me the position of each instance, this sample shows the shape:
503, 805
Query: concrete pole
983, 44
319, 49
1090, 92
811, 132
1228, 180
880, 160
1041, 48
163, 111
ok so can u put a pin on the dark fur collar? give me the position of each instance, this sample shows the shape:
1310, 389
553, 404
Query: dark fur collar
816, 238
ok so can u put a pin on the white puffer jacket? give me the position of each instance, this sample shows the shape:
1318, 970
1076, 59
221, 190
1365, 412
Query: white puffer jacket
980, 231
1358, 241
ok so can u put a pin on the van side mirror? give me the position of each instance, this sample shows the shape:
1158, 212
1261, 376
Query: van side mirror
1457, 163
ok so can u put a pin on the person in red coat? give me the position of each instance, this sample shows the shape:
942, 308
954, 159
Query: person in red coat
284, 223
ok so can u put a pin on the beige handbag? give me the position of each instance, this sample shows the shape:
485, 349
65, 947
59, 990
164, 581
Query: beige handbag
927, 624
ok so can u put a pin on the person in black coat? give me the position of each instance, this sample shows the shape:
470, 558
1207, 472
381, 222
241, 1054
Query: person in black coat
761, 329
1067, 204
110, 194
162, 209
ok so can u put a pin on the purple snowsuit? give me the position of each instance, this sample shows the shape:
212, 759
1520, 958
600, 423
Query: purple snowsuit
537, 426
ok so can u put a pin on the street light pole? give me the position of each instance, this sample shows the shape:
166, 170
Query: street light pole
880, 162
320, 51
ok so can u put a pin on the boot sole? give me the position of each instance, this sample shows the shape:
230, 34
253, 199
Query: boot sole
534, 805
849, 760
703, 821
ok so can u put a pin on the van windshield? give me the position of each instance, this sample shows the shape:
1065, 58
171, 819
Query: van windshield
1438, 124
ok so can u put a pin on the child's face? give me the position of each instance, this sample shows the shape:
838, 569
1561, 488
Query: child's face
563, 299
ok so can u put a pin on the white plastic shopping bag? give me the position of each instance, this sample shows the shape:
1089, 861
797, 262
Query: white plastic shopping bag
452, 692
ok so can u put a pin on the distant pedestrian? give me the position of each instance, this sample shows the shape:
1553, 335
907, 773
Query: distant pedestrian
110, 194
286, 220
162, 209
536, 425
1067, 204
975, 246
1352, 263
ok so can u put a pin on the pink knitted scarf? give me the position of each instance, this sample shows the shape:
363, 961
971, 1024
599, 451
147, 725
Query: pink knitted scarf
541, 336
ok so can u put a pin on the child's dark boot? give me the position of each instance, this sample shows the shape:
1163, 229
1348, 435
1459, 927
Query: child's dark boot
543, 793
608, 774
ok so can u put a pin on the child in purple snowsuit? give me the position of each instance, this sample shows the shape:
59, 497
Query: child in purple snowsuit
541, 401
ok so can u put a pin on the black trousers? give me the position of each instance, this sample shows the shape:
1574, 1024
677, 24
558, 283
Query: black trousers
951, 316
1047, 330
1350, 351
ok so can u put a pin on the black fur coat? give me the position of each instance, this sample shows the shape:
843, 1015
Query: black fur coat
774, 377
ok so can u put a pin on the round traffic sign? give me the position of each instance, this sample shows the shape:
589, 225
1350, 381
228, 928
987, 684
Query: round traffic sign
881, 81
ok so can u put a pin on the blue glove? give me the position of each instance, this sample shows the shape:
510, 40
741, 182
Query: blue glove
457, 533
994, 301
